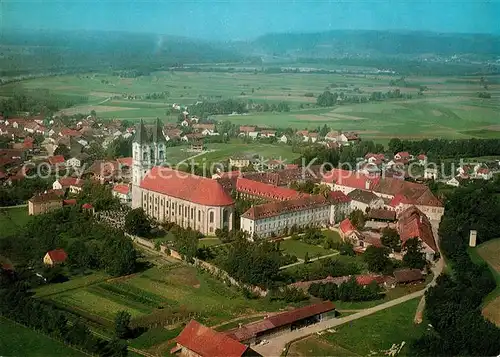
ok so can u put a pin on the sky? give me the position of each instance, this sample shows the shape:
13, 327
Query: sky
246, 19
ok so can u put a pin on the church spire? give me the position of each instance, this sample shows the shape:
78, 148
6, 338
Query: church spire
141, 134
158, 136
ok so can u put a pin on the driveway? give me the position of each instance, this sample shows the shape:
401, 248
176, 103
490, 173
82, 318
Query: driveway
277, 344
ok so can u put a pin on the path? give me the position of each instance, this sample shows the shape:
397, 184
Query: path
139, 352
104, 101
192, 157
260, 314
276, 345
301, 261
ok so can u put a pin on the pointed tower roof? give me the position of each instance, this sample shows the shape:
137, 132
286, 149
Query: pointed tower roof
158, 136
141, 134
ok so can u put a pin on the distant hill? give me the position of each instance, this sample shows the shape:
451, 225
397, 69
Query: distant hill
374, 43
23, 52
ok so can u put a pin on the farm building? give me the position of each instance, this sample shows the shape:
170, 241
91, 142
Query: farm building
272, 326
53, 257
198, 340
44, 202
406, 276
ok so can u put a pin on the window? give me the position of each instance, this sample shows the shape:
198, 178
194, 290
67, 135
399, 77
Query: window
145, 156
192, 213
180, 209
199, 216
211, 217
161, 155
186, 212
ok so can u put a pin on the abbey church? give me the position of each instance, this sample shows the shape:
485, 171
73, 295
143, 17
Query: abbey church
169, 195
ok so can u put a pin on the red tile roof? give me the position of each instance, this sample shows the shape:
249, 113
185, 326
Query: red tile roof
277, 208
422, 157
412, 223
346, 226
87, 206
66, 182
70, 202
57, 159
185, 186
408, 275
57, 255
125, 161
48, 196
368, 279
403, 154
352, 179
339, 197
229, 174
263, 190
247, 129
70, 132
209, 343
121, 188
409, 192
252, 329
376, 156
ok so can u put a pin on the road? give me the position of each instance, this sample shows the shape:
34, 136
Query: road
276, 345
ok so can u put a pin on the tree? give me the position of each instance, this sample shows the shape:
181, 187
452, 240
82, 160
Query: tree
326, 99
118, 256
322, 189
346, 248
62, 150
306, 258
122, 324
137, 223
93, 113
357, 218
4, 142
395, 145
390, 238
413, 256
377, 259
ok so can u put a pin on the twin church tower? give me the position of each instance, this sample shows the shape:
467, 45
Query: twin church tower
148, 150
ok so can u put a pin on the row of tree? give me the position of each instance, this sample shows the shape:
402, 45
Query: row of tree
347, 291
453, 306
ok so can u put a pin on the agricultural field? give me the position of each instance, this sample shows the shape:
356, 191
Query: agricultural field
369, 335
449, 108
17, 340
12, 219
175, 287
489, 252
218, 152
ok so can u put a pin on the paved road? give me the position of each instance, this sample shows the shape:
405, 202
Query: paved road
276, 345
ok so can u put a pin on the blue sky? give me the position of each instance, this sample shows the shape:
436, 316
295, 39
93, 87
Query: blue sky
240, 19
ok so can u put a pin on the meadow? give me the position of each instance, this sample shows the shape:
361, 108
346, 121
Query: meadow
489, 252
369, 335
449, 108
17, 340
13, 219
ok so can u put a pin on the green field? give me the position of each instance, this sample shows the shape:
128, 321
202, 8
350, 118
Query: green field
17, 340
368, 335
299, 249
489, 252
176, 287
12, 219
450, 108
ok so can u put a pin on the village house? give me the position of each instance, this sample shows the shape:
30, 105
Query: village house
403, 156
407, 276
197, 340
348, 232
332, 135
274, 164
412, 223
43, 203
365, 200
248, 131
430, 173
122, 192
54, 257
422, 159
77, 160
73, 184
239, 161
283, 139
268, 133
56, 161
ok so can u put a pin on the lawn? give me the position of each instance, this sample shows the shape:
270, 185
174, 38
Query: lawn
208, 242
73, 283
299, 249
12, 219
489, 252
17, 340
369, 335
450, 108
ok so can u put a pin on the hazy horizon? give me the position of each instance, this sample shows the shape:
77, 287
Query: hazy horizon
244, 20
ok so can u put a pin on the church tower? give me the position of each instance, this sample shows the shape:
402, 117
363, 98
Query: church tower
148, 150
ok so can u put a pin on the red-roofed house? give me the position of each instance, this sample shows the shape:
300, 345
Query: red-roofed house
226, 175
57, 160
74, 184
403, 156
347, 230
191, 201
412, 223
56, 256
125, 161
341, 204
197, 340
422, 159
122, 192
